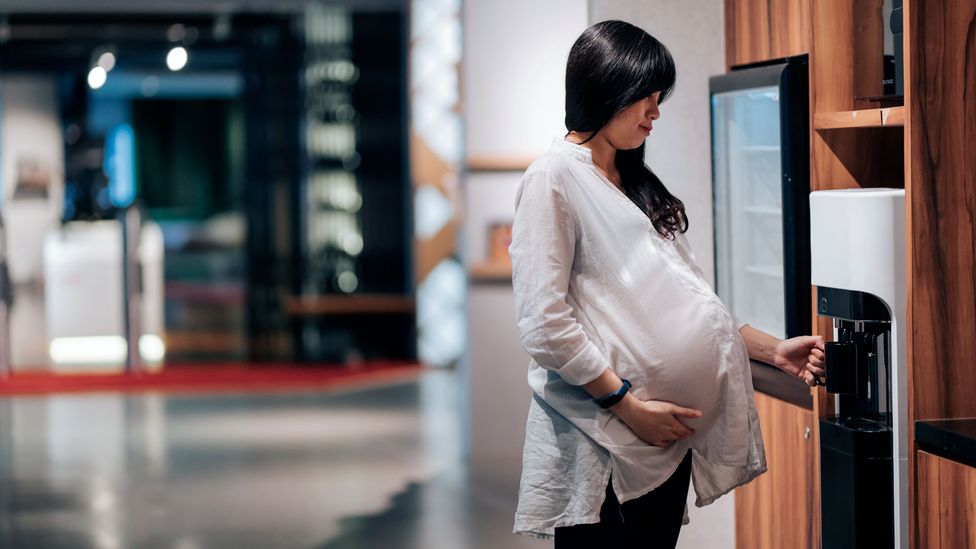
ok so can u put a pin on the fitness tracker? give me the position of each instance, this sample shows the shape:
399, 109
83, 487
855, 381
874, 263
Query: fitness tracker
614, 397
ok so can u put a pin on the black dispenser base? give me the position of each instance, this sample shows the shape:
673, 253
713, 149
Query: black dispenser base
856, 494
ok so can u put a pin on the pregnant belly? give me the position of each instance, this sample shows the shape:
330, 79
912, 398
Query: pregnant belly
687, 365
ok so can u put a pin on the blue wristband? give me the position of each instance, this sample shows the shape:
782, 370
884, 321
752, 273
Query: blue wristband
614, 397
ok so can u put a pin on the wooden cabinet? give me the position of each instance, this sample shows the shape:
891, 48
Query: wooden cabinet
925, 146
946, 499
759, 30
780, 508
940, 191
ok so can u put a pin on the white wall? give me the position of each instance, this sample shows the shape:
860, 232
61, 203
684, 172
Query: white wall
514, 73
679, 151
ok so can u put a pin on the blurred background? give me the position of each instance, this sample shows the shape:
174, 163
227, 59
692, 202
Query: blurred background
254, 283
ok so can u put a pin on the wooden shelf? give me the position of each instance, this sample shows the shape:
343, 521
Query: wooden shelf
499, 163
360, 304
490, 272
869, 118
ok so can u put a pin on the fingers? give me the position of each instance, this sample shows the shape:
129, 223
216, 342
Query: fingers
679, 430
814, 343
809, 379
819, 344
685, 412
816, 362
815, 365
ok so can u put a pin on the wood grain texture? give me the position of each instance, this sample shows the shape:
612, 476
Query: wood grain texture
942, 199
848, 156
946, 503
823, 404
760, 30
913, 493
831, 90
777, 509
868, 43
870, 118
940, 69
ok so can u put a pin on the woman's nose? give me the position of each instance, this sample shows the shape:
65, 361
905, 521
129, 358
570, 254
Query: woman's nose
654, 112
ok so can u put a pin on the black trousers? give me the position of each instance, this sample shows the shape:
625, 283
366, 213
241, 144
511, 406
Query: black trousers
651, 521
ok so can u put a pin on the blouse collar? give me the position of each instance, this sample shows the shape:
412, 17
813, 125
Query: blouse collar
579, 152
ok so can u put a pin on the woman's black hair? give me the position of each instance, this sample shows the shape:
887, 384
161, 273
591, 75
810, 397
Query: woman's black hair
612, 65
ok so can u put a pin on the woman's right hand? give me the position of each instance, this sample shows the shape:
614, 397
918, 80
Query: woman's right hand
654, 421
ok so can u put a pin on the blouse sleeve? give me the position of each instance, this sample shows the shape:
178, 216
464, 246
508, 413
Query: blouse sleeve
542, 251
739, 324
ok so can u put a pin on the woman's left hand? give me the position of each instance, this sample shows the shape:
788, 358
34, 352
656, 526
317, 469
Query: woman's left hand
801, 356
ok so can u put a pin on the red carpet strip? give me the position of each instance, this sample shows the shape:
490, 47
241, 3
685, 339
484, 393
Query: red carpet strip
214, 378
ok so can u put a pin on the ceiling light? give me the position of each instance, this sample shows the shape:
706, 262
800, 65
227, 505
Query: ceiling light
175, 32
107, 61
176, 58
97, 77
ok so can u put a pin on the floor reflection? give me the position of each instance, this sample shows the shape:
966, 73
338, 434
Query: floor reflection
375, 468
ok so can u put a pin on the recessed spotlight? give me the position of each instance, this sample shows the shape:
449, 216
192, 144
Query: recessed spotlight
97, 77
107, 61
176, 58
175, 32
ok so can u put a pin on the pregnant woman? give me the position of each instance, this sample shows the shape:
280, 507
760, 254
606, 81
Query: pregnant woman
640, 375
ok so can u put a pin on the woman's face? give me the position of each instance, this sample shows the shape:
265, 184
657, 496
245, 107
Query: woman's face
628, 129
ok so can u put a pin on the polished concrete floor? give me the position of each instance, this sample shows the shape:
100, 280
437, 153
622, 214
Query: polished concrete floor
381, 468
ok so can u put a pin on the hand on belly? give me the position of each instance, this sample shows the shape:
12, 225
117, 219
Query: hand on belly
698, 388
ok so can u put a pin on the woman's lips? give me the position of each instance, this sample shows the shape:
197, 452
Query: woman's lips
646, 130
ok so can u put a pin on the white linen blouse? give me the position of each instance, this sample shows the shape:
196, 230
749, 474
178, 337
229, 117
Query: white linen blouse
596, 287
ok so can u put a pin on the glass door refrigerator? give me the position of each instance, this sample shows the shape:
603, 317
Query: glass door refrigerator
760, 184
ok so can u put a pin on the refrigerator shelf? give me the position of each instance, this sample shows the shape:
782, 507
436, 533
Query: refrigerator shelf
772, 271
763, 210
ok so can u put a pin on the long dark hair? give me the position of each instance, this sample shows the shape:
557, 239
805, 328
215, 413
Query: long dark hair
612, 65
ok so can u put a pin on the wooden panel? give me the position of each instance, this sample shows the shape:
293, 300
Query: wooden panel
831, 90
942, 202
746, 32
790, 27
832, 57
759, 30
499, 163
490, 272
429, 253
777, 509
868, 48
870, 118
940, 69
946, 503
823, 404
362, 304
845, 158
862, 157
